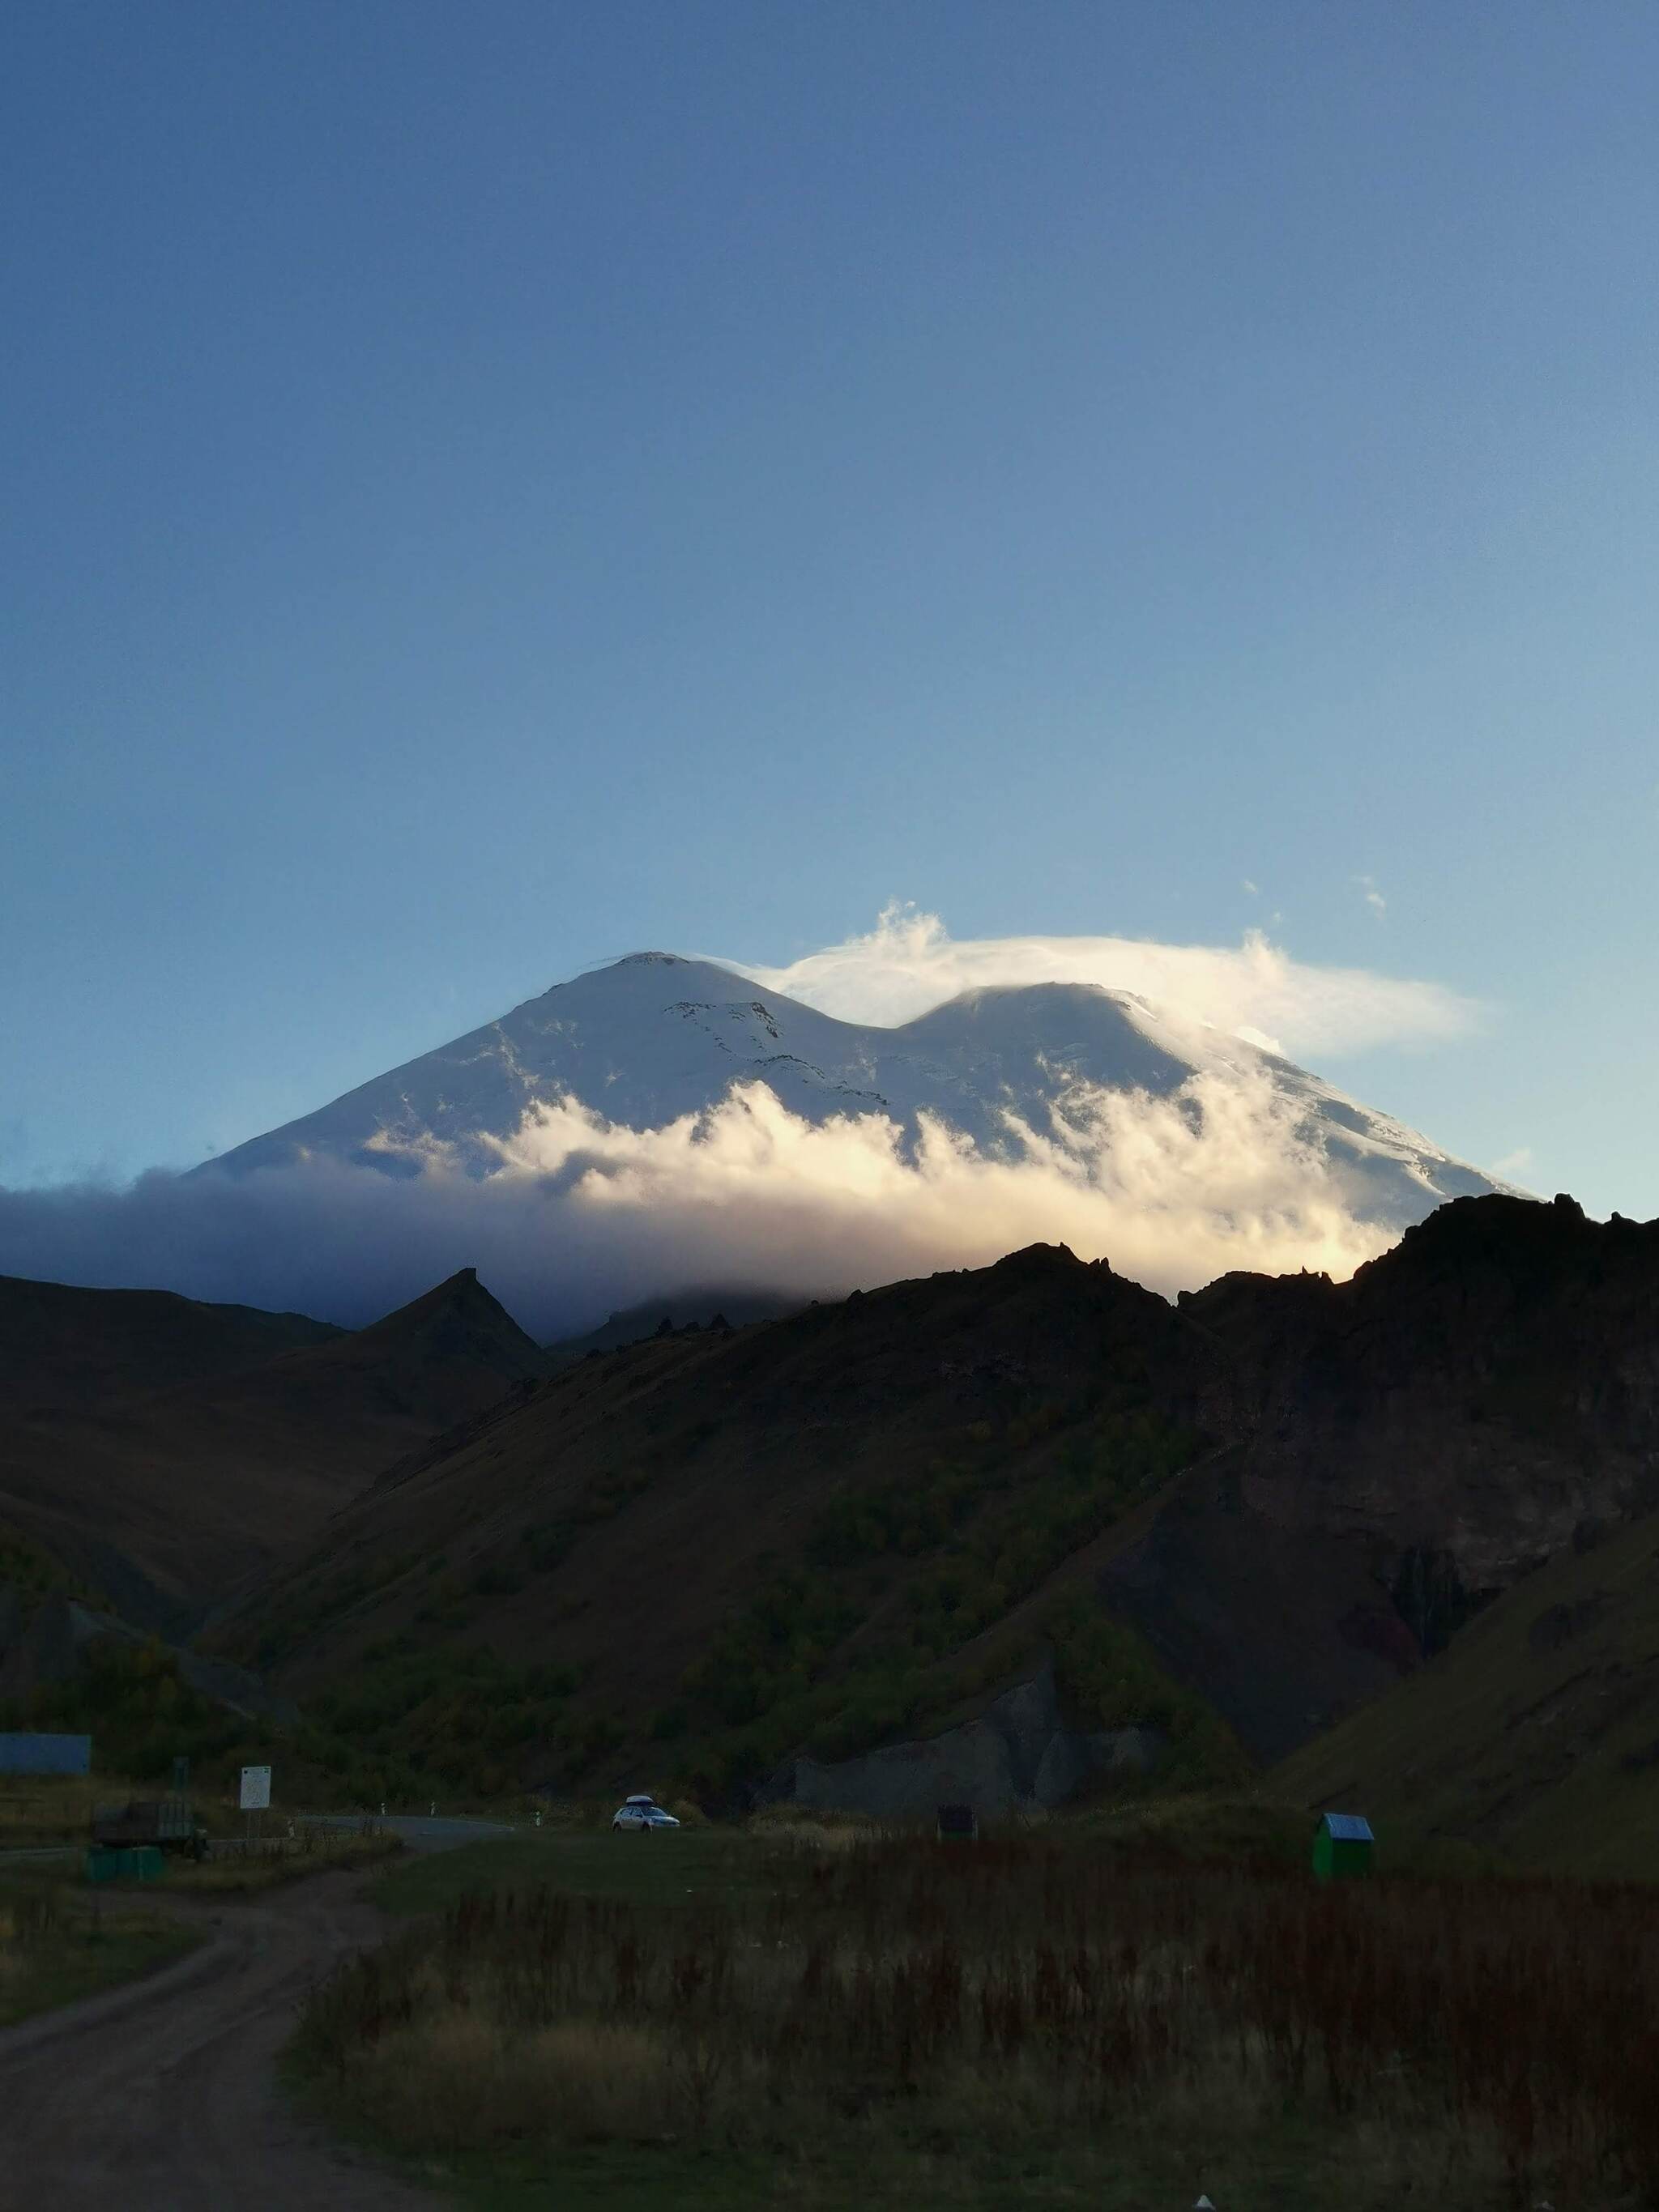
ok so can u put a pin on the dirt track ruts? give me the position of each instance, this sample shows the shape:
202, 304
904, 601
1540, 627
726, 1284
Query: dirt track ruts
162, 2096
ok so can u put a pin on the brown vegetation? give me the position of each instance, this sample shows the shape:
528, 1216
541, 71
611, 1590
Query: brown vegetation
1508, 2034
58, 1943
238, 1866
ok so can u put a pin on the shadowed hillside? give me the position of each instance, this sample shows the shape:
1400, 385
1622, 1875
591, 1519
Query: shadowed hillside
64, 1349
1030, 1518
719, 1543
715, 1550
1534, 1736
1409, 1444
258, 1427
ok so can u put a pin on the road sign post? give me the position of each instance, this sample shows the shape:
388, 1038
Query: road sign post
255, 1796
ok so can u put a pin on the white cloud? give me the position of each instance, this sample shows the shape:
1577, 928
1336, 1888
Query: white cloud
908, 964
1514, 1166
1372, 896
582, 1215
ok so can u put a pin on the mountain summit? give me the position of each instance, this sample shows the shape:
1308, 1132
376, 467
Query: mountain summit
653, 1037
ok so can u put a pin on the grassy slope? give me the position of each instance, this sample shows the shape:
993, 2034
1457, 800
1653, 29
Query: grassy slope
694, 1555
708, 1548
1533, 1736
196, 1476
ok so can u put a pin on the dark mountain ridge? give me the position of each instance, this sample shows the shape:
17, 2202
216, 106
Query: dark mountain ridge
1288, 1490
65, 1348
165, 1484
1433, 1430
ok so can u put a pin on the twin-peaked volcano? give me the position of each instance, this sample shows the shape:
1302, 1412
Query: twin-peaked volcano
654, 1038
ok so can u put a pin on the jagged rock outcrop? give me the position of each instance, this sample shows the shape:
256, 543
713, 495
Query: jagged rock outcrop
1480, 1392
1408, 1444
1018, 1753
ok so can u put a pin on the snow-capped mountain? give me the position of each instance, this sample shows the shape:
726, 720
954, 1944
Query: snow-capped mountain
654, 1038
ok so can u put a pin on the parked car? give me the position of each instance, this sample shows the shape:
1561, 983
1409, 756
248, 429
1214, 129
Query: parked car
642, 1815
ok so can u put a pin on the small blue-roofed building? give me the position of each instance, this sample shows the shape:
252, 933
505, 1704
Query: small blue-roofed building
1343, 1845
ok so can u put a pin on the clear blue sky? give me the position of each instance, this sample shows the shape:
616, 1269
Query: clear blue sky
489, 487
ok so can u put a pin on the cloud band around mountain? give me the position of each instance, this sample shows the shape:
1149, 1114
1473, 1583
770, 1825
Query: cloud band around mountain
581, 1216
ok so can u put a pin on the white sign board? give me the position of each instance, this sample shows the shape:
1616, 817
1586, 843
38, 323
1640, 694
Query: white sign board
256, 1789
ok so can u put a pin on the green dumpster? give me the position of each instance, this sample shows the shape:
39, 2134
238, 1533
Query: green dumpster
141, 1862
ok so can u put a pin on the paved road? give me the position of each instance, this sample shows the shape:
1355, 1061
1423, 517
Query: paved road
419, 1832
161, 2097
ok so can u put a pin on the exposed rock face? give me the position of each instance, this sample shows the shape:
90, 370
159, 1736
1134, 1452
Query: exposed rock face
1017, 1754
1479, 1393
1408, 1444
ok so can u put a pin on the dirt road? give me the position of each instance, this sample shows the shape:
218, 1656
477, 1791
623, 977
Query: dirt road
161, 2097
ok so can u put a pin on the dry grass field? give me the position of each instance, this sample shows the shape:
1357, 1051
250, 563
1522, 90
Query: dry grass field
59, 1942
38, 1811
1026, 2020
238, 1869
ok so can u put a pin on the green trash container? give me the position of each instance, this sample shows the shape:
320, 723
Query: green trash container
139, 1863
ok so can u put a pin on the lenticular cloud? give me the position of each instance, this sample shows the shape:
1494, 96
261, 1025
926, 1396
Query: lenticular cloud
581, 1215
909, 963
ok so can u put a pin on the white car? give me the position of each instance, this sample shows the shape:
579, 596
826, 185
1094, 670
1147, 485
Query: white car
642, 1813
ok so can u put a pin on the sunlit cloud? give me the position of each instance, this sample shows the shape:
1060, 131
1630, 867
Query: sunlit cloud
909, 962
582, 1215
577, 1214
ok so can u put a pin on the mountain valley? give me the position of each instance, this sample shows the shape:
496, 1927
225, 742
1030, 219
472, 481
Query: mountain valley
1190, 1542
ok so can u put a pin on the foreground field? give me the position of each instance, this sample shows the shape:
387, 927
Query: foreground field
58, 1943
716, 2018
38, 1811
